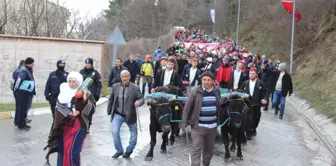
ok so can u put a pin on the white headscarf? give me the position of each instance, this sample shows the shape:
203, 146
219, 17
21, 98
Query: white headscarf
66, 93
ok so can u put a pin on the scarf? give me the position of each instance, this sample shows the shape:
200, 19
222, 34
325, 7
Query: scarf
66, 92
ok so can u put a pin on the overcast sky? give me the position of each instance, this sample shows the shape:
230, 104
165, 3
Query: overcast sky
85, 6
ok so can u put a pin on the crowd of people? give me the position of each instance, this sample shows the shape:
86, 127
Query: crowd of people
195, 59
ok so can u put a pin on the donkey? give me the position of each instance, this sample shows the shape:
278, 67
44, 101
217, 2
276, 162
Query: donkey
232, 119
163, 119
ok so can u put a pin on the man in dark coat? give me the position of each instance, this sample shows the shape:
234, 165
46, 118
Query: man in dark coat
168, 76
24, 87
257, 94
115, 73
52, 88
133, 67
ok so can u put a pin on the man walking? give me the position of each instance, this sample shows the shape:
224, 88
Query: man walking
133, 67
115, 73
282, 85
52, 88
124, 100
200, 112
24, 87
257, 94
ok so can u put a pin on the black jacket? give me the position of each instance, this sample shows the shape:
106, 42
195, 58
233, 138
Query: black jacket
55, 79
287, 84
242, 79
156, 67
265, 77
212, 69
175, 80
259, 93
133, 68
97, 85
197, 77
181, 63
115, 75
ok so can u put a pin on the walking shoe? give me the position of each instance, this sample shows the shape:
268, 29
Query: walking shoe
276, 111
127, 155
23, 127
281, 117
27, 126
117, 155
28, 120
265, 108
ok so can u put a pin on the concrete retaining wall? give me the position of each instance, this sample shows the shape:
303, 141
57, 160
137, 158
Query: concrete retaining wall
45, 51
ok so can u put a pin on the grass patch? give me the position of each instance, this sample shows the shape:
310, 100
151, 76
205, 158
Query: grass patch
11, 107
325, 105
105, 90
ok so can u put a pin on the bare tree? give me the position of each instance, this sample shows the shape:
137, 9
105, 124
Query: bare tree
56, 17
72, 22
35, 11
3, 16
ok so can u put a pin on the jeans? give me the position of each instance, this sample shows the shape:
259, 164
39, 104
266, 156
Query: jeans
276, 97
116, 124
146, 80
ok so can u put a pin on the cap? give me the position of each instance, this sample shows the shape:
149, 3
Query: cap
89, 60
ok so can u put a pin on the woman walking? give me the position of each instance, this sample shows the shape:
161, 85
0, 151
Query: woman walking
71, 122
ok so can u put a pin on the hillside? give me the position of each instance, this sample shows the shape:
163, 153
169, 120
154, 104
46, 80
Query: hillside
266, 29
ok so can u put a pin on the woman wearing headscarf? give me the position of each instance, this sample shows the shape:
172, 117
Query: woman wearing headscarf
71, 121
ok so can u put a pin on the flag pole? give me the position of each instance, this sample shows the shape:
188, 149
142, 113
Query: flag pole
214, 23
238, 20
292, 42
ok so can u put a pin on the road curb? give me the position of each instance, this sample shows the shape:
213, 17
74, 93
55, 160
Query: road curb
303, 108
40, 111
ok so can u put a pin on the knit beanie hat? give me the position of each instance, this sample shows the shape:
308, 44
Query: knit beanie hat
209, 74
283, 65
29, 61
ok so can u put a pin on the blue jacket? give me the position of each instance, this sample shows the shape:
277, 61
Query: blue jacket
55, 79
14, 77
25, 81
158, 54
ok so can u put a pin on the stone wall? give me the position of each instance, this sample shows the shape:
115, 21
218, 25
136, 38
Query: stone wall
45, 51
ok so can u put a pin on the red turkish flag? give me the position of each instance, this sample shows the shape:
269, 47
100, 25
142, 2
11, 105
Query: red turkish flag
288, 5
